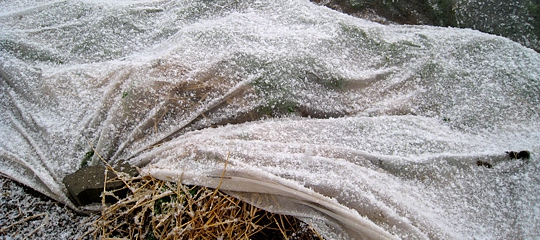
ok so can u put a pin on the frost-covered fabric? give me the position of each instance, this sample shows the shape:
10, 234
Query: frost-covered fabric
364, 130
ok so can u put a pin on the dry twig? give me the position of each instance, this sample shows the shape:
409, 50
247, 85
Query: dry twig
158, 209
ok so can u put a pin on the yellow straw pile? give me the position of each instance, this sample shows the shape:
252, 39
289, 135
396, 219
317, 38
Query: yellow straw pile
156, 209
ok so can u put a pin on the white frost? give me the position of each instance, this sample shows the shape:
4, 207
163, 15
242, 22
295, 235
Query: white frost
362, 129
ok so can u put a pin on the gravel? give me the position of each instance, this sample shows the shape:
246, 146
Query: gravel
27, 214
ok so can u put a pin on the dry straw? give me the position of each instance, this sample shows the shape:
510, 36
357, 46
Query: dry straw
156, 209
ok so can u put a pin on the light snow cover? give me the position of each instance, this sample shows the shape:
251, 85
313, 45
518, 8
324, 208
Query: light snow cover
364, 130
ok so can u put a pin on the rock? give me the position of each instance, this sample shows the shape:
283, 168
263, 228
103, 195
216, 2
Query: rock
86, 184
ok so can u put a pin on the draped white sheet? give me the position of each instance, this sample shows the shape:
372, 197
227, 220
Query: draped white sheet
364, 130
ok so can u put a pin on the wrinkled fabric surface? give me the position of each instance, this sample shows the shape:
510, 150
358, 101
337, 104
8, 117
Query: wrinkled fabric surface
518, 20
364, 130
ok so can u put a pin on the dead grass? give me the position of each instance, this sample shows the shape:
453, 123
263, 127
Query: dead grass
156, 209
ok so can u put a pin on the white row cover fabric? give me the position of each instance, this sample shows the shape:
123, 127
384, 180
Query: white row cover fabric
364, 130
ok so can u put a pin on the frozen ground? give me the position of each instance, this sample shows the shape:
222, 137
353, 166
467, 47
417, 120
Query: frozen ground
365, 130
30, 215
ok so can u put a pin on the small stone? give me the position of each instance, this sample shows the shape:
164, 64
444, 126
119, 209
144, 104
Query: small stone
86, 184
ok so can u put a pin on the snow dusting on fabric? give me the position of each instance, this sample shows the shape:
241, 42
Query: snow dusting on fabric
366, 131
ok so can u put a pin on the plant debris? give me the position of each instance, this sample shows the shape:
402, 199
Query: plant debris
519, 155
156, 209
484, 164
